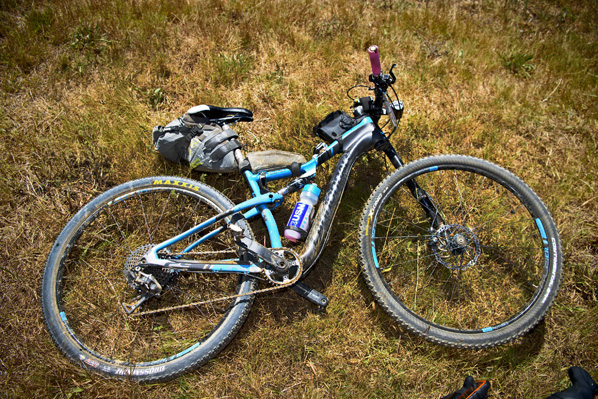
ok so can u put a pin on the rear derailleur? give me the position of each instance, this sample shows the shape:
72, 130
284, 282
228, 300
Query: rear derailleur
149, 281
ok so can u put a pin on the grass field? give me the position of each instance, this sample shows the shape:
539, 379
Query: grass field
82, 83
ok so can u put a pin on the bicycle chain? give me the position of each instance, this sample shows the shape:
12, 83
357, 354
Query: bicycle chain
224, 251
277, 287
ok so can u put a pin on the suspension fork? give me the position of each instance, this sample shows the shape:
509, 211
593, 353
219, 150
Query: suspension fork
420, 195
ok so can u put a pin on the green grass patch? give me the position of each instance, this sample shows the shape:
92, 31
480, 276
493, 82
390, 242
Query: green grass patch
83, 83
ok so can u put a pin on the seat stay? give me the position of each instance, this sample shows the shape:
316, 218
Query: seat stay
252, 206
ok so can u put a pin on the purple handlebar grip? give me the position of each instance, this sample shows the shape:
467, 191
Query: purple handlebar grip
375, 60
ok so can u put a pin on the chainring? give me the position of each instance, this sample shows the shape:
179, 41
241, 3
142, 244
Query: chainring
294, 271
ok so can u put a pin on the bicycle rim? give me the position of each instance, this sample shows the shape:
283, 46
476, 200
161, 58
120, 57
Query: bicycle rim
92, 282
483, 268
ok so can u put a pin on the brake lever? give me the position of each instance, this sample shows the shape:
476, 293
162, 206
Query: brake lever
392, 75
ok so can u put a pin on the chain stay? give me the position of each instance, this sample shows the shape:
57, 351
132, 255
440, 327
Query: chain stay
230, 297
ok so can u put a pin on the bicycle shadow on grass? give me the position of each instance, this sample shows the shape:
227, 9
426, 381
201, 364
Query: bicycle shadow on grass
511, 355
284, 307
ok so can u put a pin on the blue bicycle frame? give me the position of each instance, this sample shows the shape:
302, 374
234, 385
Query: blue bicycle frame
360, 139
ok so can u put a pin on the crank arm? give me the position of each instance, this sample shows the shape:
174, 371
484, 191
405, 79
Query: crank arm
311, 294
247, 245
279, 263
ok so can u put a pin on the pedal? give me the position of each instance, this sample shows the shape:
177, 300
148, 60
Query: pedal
311, 294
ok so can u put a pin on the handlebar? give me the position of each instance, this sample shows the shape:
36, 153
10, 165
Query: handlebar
380, 104
375, 60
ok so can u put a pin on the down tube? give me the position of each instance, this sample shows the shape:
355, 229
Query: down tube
359, 144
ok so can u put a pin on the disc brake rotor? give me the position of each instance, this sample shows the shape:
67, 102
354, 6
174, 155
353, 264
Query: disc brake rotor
456, 247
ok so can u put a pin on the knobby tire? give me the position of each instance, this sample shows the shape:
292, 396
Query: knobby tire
84, 283
484, 275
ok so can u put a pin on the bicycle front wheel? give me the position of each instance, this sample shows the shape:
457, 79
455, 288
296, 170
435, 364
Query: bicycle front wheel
480, 267
90, 276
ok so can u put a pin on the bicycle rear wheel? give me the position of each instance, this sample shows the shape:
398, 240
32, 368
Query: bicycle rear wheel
485, 274
87, 280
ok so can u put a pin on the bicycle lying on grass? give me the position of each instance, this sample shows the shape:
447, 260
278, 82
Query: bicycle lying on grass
156, 276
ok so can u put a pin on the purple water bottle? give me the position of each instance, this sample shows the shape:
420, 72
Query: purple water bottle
298, 225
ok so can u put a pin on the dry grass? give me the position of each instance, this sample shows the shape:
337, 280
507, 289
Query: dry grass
83, 83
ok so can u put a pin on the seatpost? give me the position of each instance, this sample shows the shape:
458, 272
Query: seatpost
239, 157
242, 161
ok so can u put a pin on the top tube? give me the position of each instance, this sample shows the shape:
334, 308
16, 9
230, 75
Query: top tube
308, 167
311, 165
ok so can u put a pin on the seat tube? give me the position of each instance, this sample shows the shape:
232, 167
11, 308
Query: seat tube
271, 226
265, 212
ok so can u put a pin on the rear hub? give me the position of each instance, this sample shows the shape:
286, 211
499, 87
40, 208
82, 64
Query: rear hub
146, 278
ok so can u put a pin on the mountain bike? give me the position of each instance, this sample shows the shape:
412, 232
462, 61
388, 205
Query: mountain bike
155, 277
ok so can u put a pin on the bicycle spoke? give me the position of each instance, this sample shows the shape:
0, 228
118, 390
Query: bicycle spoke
96, 278
480, 266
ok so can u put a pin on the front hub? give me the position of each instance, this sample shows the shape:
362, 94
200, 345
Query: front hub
458, 243
456, 246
